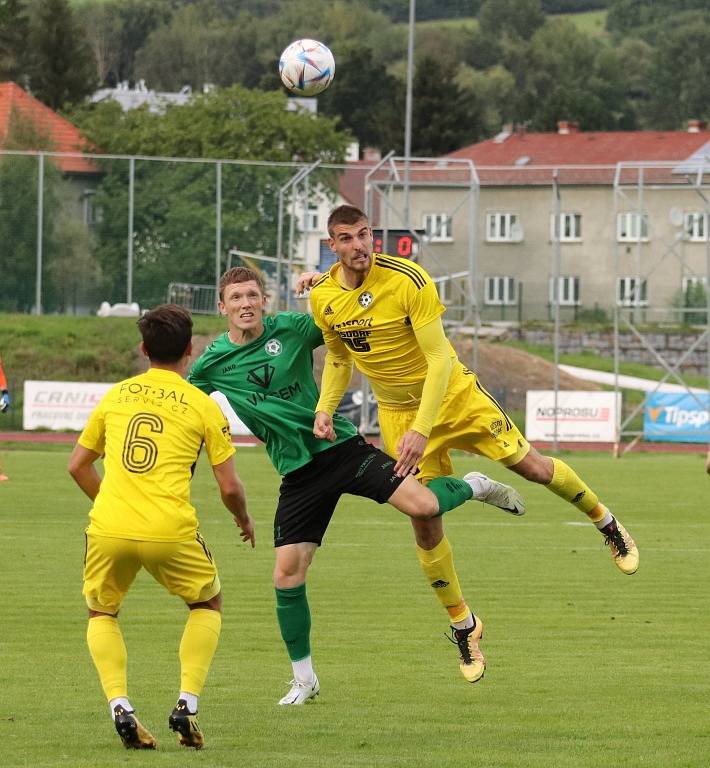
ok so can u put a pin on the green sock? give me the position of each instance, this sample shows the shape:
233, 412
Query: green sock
294, 617
450, 491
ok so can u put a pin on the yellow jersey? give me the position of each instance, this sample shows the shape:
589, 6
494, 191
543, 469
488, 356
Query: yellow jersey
150, 429
376, 323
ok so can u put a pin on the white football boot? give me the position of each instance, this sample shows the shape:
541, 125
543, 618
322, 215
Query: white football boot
498, 494
300, 692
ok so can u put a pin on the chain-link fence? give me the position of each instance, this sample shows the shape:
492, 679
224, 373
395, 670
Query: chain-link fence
125, 228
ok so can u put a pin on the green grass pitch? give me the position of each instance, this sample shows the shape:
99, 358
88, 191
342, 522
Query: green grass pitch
586, 666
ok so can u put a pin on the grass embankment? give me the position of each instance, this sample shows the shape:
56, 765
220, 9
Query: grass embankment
67, 348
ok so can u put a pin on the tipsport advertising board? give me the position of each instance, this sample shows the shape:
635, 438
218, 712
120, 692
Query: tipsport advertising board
677, 417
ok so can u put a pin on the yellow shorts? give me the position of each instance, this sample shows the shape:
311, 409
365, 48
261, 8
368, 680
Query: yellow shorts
184, 568
469, 419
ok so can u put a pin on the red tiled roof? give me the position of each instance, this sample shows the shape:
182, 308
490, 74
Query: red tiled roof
64, 136
591, 157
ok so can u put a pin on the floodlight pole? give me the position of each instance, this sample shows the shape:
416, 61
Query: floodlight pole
40, 218
408, 109
131, 192
556, 230
218, 230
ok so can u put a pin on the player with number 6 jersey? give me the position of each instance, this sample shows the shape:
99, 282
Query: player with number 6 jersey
150, 430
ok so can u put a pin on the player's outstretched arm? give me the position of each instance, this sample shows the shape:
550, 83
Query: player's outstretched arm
234, 498
81, 468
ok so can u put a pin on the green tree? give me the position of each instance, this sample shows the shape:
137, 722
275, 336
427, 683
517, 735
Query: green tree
678, 84
175, 213
564, 74
512, 18
694, 297
640, 17
62, 68
199, 47
491, 94
373, 115
19, 189
118, 29
442, 120
13, 34
104, 28
633, 60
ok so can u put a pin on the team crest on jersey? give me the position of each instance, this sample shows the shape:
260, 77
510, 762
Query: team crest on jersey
273, 347
365, 299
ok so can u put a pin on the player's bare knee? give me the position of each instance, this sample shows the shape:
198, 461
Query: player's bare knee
290, 571
535, 467
427, 507
428, 533
213, 604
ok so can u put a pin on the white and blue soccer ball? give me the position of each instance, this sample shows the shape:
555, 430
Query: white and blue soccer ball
306, 67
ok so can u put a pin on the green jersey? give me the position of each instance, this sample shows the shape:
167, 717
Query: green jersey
269, 383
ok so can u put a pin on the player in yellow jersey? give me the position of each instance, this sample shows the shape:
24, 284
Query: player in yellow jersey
150, 429
383, 313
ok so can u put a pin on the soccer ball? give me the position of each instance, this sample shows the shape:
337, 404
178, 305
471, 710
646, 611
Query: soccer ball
306, 67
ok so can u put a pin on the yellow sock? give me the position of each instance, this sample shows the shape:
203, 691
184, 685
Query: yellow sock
197, 647
568, 486
438, 566
108, 651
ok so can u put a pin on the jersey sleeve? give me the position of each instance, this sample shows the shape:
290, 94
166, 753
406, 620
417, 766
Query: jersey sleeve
218, 438
197, 378
423, 304
437, 350
93, 436
337, 372
307, 327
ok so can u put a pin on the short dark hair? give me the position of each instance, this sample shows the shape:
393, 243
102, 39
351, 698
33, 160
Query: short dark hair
240, 275
344, 214
166, 331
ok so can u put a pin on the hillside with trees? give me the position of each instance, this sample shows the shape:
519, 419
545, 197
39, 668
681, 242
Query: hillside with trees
518, 62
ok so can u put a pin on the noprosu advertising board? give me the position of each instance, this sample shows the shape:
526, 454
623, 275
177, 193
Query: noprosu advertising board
677, 417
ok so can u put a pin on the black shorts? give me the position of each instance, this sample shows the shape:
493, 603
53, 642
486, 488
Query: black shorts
308, 496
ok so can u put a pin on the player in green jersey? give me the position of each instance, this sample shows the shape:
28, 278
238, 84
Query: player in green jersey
264, 366
150, 430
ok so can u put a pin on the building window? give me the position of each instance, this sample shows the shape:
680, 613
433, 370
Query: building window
503, 228
567, 227
438, 227
631, 292
501, 290
90, 211
691, 282
311, 219
696, 226
568, 291
632, 227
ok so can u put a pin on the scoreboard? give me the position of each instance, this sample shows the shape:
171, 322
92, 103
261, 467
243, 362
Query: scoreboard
399, 242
